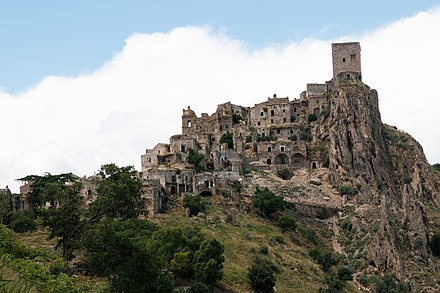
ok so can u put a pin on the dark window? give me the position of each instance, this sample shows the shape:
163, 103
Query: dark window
348, 75
343, 59
353, 57
261, 114
284, 120
269, 161
278, 131
173, 179
272, 112
271, 120
269, 149
182, 148
282, 149
257, 123
294, 109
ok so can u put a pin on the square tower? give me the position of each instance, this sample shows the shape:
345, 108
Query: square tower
346, 59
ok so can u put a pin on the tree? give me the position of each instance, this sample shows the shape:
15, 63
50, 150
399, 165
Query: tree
286, 223
63, 216
261, 277
266, 201
324, 257
117, 249
119, 193
208, 262
228, 139
387, 284
195, 203
22, 222
45, 189
195, 159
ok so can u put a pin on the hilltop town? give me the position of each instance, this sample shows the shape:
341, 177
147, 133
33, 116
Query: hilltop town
279, 135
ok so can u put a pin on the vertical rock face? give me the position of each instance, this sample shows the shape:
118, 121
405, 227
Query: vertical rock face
388, 171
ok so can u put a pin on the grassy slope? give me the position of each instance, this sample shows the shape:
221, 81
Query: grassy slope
245, 234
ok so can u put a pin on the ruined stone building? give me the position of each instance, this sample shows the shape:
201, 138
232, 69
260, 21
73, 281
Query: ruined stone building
276, 134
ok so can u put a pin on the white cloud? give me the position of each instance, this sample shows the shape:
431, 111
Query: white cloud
136, 99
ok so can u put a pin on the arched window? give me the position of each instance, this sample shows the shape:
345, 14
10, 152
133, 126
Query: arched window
189, 123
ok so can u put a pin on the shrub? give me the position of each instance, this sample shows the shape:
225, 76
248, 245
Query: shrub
348, 190
228, 139
346, 225
312, 117
434, 243
286, 223
284, 173
261, 277
22, 222
194, 158
266, 201
387, 284
196, 204
323, 257
345, 274
436, 167
236, 118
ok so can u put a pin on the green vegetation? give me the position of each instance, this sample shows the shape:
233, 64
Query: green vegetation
284, 173
236, 118
267, 202
311, 117
261, 277
287, 223
436, 167
194, 158
194, 203
434, 244
22, 222
348, 190
228, 139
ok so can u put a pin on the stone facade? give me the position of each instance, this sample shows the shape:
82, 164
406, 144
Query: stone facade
278, 133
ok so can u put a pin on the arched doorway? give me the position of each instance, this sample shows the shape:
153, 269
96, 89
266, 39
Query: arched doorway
281, 159
173, 190
298, 160
206, 193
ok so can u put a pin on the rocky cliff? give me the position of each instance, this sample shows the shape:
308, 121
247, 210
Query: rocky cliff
386, 181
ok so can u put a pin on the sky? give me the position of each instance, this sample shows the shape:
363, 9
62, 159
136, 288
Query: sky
84, 83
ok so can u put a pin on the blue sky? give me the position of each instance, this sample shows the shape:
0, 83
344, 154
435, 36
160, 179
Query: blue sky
84, 83
48, 37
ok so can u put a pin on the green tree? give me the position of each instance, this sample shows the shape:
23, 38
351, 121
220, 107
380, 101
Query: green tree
181, 264
45, 188
236, 118
387, 284
195, 159
22, 222
324, 257
312, 117
119, 193
436, 167
195, 203
286, 223
117, 249
64, 218
261, 277
266, 201
208, 262
228, 139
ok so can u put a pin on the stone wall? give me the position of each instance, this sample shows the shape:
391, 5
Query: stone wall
346, 58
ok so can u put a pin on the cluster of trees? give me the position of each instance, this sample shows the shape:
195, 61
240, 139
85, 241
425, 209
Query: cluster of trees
135, 255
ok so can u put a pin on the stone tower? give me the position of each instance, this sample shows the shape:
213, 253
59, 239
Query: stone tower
188, 119
347, 60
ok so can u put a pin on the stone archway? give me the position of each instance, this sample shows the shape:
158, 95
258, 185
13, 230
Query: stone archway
298, 160
206, 193
281, 159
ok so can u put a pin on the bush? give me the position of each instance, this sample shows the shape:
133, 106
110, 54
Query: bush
348, 190
236, 118
266, 201
194, 158
434, 243
346, 225
312, 117
387, 284
228, 139
197, 287
195, 203
284, 173
286, 223
323, 257
261, 277
22, 222
345, 274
